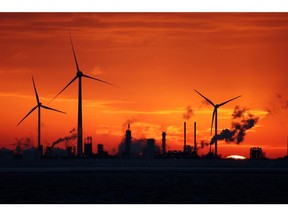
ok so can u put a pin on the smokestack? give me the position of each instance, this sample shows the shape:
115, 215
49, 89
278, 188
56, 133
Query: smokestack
163, 143
195, 144
128, 141
184, 149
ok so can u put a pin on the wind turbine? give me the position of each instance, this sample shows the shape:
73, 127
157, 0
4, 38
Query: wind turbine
79, 76
216, 106
39, 106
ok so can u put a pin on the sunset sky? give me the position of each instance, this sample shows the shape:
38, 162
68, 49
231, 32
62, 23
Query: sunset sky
157, 60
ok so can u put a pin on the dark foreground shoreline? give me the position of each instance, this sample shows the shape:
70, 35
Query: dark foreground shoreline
144, 182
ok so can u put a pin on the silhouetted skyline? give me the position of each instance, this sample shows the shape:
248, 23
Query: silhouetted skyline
157, 59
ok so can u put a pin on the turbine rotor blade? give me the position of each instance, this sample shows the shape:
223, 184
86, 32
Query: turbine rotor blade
209, 101
74, 53
28, 114
84, 75
213, 116
64, 88
37, 98
49, 108
229, 100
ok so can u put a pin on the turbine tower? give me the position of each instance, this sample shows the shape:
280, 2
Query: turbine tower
39, 106
216, 106
79, 76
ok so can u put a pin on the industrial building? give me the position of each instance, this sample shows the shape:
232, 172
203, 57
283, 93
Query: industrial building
150, 151
256, 153
88, 147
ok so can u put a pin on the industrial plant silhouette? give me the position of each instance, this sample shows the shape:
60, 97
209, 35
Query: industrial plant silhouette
141, 171
149, 150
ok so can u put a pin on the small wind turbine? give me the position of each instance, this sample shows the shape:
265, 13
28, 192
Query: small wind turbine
216, 106
39, 106
79, 76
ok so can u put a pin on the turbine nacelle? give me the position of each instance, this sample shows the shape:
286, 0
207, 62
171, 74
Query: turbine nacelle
79, 74
39, 104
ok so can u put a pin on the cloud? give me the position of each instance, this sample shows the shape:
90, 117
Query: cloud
17, 95
19, 70
97, 70
278, 103
146, 129
153, 112
106, 106
32, 96
103, 103
21, 55
107, 130
140, 29
141, 129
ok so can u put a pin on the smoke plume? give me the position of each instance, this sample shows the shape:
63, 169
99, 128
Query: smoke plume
128, 121
203, 144
24, 143
205, 103
189, 112
136, 147
239, 112
278, 103
243, 120
72, 136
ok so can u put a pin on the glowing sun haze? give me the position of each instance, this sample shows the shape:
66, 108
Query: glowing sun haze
157, 59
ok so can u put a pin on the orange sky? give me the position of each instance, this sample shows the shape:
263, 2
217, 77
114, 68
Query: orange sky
157, 59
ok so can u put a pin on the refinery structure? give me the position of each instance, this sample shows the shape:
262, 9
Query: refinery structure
128, 149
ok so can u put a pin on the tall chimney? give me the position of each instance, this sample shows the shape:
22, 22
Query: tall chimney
163, 143
195, 144
184, 149
128, 141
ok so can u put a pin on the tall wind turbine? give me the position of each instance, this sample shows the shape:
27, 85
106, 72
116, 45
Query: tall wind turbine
39, 106
216, 106
79, 76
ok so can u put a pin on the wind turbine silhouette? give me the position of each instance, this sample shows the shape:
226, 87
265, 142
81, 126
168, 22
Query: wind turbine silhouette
39, 106
79, 76
216, 106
